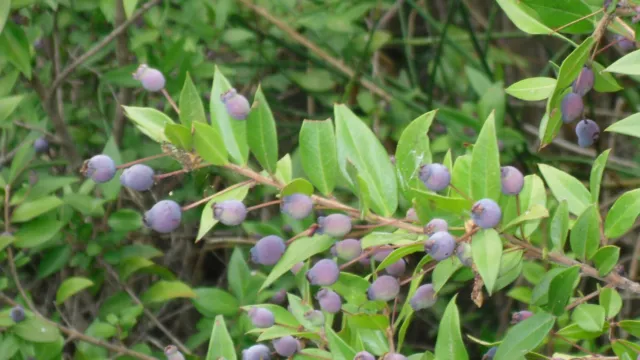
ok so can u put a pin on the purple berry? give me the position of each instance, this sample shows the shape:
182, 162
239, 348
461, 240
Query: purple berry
279, 297
41, 145
411, 215
584, 83
268, 250
486, 213
324, 273
17, 314
394, 356
588, 132
512, 180
365, 261
519, 316
237, 105
286, 346
298, 206
261, 317
489, 355
315, 317
100, 168
364, 355
381, 254
296, 268
384, 288
624, 43
164, 216
230, 212
571, 107
424, 297
329, 301
463, 251
436, 177
347, 249
436, 225
335, 225
440, 245
151, 79
138, 177
256, 352
172, 353
397, 268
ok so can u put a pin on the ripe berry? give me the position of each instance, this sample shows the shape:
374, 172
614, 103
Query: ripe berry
172, 353
394, 356
298, 206
296, 268
489, 355
511, 180
230, 212
423, 298
17, 314
256, 352
237, 105
164, 216
486, 213
347, 249
151, 79
315, 317
516, 317
411, 215
435, 177
329, 301
286, 346
571, 107
584, 82
440, 245
381, 254
138, 177
279, 297
364, 355
384, 288
324, 273
463, 251
335, 225
268, 250
624, 43
397, 268
41, 145
588, 132
261, 317
100, 168
436, 225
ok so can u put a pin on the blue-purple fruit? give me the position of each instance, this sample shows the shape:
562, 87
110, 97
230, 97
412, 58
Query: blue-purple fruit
347, 249
99, 168
138, 177
298, 206
329, 301
384, 288
436, 177
324, 273
440, 245
237, 105
486, 213
230, 212
571, 107
511, 180
335, 225
256, 352
173, 353
436, 225
584, 83
286, 346
261, 317
150, 78
588, 132
268, 250
424, 297
164, 216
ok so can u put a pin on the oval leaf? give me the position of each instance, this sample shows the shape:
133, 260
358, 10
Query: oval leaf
525, 336
70, 287
164, 290
318, 154
449, 343
486, 249
485, 164
262, 137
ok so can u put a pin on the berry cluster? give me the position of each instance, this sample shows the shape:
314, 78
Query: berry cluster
572, 107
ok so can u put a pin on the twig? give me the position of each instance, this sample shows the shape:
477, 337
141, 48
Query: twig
171, 101
205, 200
139, 161
584, 299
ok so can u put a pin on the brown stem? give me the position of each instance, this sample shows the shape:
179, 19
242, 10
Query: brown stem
263, 205
307, 232
584, 299
170, 100
460, 192
574, 344
178, 172
575, 21
421, 273
206, 200
139, 161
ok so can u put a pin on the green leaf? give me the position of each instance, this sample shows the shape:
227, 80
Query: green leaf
300, 186
8, 105
611, 301
532, 89
111, 188
369, 321
149, 121
208, 144
233, 132
486, 249
36, 330
521, 17
282, 316
525, 337
449, 343
589, 317
358, 144
53, 260
478, 80
559, 226
625, 350
220, 344
6, 240
412, 151
595, 179
300, 250
5, 8
493, 101
398, 254
262, 137
313, 80
191, 108
129, 266
585, 233
37, 232
211, 301
573, 64
627, 126
85, 204
622, 214
457, 206
485, 164
164, 290
340, 350
70, 287
29, 210
536, 212
561, 288
207, 221
627, 65
352, 288
318, 154
630, 326
179, 135
21, 160
566, 187
125, 220
443, 271
604, 81
606, 259
15, 47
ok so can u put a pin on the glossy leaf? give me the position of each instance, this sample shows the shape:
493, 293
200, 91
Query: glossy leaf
262, 136
164, 290
485, 164
191, 108
179, 135
589, 317
606, 259
559, 226
70, 287
318, 153
604, 81
536, 212
622, 214
211, 301
29, 210
340, 350
125, 220
5, 8
8, 105
300, 186
36, 330
486, 248
412, 152
630, 326
208, 143
207, 221
566, 187
521, 17
15, 47
611, 301
37, 232
524, 337
561, 288
626, 65
220, 344
585, 233
595, 179
449, 343
443, 271
149, 121
627, 126
532, 89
